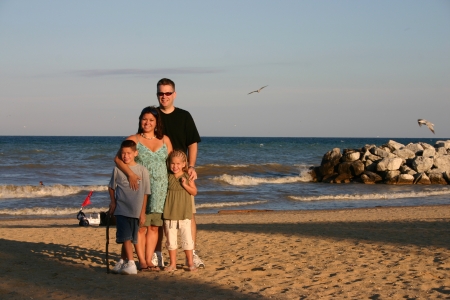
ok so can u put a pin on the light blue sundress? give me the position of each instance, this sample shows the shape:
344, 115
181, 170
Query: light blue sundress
155, 162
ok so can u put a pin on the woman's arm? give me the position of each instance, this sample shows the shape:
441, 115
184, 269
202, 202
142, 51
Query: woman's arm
168, 144
133, 179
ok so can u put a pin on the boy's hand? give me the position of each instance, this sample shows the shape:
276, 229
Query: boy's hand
112, 208
133, 179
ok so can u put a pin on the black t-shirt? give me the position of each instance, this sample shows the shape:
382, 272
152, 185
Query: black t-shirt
180, 127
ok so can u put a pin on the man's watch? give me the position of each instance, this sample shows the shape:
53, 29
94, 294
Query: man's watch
191, 167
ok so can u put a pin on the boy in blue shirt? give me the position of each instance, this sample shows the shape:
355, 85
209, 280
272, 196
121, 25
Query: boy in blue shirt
128, 206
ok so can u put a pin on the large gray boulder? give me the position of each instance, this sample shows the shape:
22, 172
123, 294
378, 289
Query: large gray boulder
405, 179
426, 146
391, 177
429, 152
350, 155
329, 161
441, 151
421, 178
443, 144
446, 175
367, 147
344, 168
379, 152
343, 178
329, 178
393, 145
414, 147
373, 176
366, 180
437, 178
442, 162
367, 155
370, 165
315, 174
405, 153
391, 174
357, 167
422, 164
404, 169
389, 164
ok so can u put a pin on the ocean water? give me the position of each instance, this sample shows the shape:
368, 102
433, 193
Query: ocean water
234, 173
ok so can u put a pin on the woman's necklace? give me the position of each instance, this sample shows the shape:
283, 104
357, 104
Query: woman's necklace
143, 135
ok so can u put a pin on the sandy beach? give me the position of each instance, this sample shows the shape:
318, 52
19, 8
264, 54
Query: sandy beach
379, 253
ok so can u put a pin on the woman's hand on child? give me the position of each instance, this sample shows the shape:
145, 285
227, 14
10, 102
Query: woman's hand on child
133, 179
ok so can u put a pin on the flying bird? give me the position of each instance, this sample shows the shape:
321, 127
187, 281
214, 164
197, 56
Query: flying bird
425, 122
257, 91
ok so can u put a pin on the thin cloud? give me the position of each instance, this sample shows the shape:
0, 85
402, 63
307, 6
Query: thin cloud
144, 72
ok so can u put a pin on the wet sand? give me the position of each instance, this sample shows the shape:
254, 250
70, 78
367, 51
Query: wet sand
379, 253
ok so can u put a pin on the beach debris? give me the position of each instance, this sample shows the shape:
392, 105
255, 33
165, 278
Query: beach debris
391, 163
425, 122
258, 90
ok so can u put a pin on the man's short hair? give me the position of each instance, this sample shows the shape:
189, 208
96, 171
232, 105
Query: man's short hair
166, 81
128, 144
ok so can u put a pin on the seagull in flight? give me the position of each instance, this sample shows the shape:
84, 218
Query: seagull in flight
257, 91
425, 122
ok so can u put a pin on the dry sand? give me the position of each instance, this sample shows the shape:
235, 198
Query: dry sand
379, 253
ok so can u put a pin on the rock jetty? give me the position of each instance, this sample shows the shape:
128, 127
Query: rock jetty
391, 163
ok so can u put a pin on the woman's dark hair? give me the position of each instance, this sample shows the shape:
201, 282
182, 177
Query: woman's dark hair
159, 126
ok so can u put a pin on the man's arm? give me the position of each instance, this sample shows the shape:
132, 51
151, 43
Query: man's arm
192, 158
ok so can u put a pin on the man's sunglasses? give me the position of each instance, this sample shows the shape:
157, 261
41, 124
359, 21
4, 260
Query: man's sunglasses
160, 94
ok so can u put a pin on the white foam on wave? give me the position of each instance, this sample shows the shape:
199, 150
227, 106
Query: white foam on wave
249, 180
57, 190
225, 204
374, 196
49, 211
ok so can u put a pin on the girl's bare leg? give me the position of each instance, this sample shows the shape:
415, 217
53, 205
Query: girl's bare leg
173, 261
190, 260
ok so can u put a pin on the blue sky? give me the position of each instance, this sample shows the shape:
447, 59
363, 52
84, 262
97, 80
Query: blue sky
333, 68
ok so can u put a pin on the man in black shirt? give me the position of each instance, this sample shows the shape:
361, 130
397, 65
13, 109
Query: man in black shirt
179, 126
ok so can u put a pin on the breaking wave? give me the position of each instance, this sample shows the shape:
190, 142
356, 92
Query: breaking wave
226, 204
250, 180
57, 190
50, 211
375, 196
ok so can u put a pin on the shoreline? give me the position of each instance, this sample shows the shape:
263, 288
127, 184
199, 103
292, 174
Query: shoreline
379, 253
226, 212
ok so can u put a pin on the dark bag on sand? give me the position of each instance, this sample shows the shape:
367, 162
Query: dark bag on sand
103, 220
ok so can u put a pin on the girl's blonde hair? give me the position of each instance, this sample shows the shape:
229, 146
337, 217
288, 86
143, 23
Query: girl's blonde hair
180, 154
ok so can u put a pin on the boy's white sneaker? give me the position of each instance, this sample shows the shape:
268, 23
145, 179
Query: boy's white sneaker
158, 259
129, 268
118, 267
